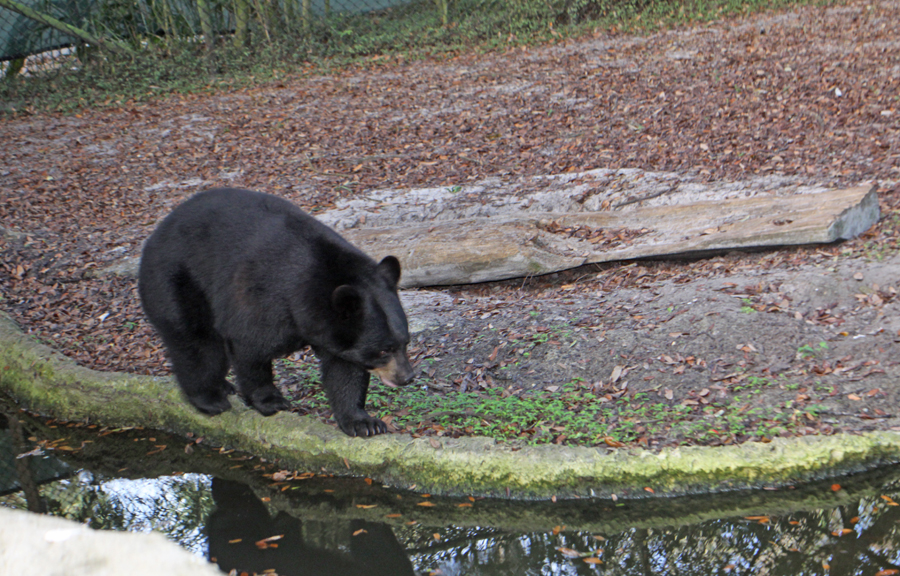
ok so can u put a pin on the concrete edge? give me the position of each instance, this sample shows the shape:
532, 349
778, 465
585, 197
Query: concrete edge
46, 382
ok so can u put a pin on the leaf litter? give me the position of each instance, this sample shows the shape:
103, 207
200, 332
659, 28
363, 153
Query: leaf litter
721, 350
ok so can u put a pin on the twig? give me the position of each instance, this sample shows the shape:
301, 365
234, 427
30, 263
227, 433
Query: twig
648, 196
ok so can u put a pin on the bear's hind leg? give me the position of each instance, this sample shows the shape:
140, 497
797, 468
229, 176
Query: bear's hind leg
200, 368
346, 386
254, 380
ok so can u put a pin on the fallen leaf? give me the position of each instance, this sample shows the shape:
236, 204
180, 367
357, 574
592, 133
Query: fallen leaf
569, 552
616, 374
268, 542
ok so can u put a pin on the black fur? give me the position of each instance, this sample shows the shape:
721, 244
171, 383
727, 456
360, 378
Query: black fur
238, 278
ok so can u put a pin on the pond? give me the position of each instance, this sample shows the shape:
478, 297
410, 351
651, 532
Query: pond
250, 516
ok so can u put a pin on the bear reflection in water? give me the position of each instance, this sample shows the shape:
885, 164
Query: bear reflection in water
240, 520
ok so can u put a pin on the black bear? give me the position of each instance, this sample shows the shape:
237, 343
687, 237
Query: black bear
238, 278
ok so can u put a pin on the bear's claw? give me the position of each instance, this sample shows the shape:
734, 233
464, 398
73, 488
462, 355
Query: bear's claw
267, 401
364, 427
212, 403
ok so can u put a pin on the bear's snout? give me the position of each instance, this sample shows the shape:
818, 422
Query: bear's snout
397, 372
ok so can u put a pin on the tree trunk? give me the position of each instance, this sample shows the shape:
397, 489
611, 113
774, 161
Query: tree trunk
241, 23
444, 6
15, 66
206, 24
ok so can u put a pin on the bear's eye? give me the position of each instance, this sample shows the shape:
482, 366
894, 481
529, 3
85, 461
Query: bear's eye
386, 353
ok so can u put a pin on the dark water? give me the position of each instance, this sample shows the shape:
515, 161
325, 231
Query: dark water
250, 516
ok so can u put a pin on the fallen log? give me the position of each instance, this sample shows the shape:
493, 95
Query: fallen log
483, 249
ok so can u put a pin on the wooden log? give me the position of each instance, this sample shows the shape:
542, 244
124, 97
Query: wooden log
484, 249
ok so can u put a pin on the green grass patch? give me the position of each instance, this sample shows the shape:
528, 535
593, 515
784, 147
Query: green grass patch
570, 414
808, 351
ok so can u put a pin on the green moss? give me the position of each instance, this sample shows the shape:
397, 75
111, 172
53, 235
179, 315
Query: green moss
50, 384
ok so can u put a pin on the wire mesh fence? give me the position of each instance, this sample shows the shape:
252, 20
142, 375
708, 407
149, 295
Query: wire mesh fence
38, 35
29, 27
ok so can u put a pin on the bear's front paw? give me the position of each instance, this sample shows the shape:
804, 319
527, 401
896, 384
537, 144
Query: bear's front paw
267, 401
364, 426
211, 402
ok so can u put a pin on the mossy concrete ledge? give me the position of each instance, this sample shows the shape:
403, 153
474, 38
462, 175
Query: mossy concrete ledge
48, 383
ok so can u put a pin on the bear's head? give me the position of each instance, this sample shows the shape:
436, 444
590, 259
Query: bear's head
372, 324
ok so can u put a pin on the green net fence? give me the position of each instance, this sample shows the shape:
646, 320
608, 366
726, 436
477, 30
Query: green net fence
21, 36
57, 32
29, 27
55, 29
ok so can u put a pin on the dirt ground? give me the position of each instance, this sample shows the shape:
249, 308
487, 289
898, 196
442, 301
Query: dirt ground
742, 346
746, 332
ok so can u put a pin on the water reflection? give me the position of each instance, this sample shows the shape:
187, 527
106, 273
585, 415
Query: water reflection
247, 521
243, 536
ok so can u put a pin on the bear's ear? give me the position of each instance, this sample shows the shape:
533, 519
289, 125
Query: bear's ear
347, 301
390, 269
